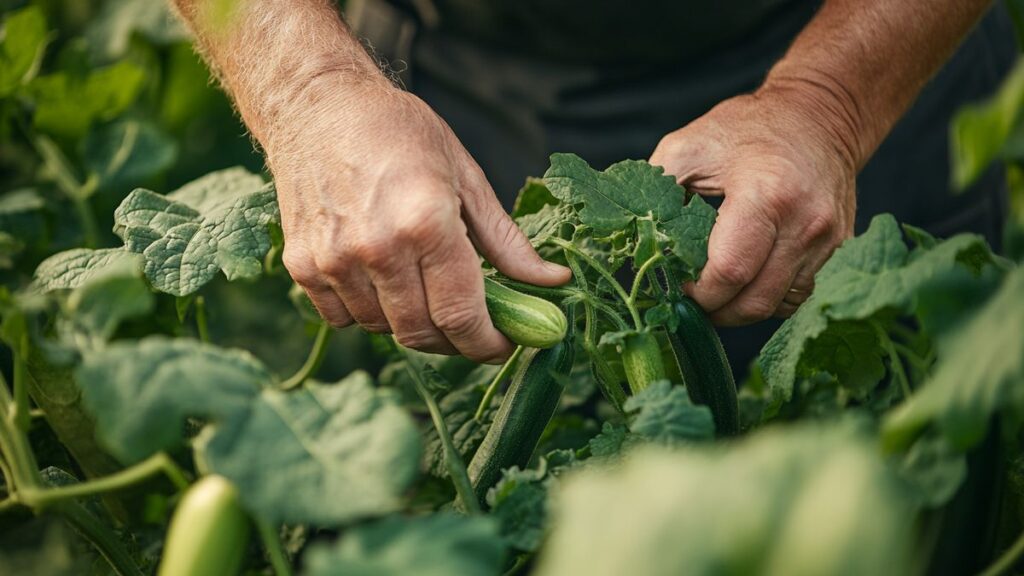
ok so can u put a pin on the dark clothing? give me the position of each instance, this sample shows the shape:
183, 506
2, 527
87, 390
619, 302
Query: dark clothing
520, 80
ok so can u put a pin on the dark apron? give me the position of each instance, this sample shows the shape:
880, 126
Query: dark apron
513, 102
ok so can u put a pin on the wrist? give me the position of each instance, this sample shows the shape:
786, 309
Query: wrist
825, 103
328, 101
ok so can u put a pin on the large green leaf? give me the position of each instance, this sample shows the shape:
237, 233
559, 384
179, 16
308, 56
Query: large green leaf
800, 500
438, 545
73, 268
325, 454
21, 48
127, 152
141, 392
981, 133
981, 374
66, 104
216, 223
868, 276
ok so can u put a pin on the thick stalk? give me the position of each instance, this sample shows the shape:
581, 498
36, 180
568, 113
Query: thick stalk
492, 388
21, 418
14, 444
275, 552
101, 537
452, 458
639, 278
313, 361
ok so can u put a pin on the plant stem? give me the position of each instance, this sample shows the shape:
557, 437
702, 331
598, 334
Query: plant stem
14, 444
275, 552
921, 364
492, 388
201, 323
456, 468
90, 229
5, 472
894, 360
21, 417
313, 361
39, 498
518, 566
1007, 559
77, 192
101, 536
639, 278
616, 286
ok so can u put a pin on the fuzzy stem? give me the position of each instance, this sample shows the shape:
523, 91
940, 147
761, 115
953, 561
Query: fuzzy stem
456, 468
492, 388
275, 552
1007, 559
39, 498
202, 325
616, 286
313, 361
894, 360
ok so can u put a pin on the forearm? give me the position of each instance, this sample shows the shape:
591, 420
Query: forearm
270, 54
867, 60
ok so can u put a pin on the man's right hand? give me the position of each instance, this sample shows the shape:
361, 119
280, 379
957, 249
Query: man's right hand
382, 207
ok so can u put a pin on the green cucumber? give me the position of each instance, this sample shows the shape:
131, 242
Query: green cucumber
705, 368
641, 360
526, 320
526, 409
209, 532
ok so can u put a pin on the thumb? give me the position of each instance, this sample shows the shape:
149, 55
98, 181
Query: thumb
682, 154
502, 243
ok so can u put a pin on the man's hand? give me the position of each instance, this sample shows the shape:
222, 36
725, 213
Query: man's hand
381, 208
787, 175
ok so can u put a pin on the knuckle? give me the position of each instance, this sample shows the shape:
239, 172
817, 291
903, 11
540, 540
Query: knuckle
376, 252
754, 309
429, 217
821, 225
300, 265
418, 339
333, 265
459, 320
734, 272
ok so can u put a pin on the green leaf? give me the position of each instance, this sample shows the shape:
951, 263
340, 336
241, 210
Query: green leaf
22, 218
141, 392
216, 223
66, 105
978, 377
458, 408
115, 293
533, 196
73, 268
980, 132
849, 351
609, 442
665, 414
127, 152
110, 30
21, 48
868, 276
796, 500
325, 454
934, 469
611, 201
437, 545
519, 502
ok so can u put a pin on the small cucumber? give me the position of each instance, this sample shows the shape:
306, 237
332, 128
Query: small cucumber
641, 360
526, 320
209, 532
526, 409
704, 366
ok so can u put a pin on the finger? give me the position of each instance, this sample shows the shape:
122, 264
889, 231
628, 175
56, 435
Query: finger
455, 296
352, 285
498, 238
402, 298
329, 305
761, 298
740, 243
785, 310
